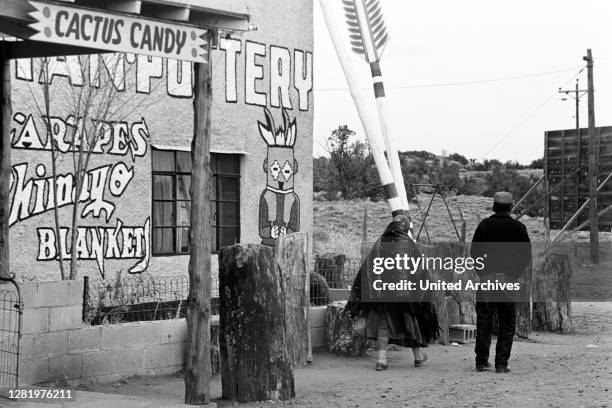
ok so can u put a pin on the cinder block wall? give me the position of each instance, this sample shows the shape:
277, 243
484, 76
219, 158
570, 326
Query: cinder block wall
55, 344
317, 324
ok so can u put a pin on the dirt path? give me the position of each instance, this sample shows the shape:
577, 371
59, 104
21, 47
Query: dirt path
550, 370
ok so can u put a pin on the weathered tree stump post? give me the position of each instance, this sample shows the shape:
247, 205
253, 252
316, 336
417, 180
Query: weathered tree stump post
552, 307
255, 364
291, 254
523, 322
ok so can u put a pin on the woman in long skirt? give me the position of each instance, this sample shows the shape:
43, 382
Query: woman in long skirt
405, 319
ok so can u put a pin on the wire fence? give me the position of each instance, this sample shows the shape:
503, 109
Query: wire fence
332, 272
146, 298
135, 299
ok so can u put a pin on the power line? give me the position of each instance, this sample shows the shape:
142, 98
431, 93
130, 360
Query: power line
529, 116
460, 83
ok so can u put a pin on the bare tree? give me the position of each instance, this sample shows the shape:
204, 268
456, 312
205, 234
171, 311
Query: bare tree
100, 100
92, 107
54, 154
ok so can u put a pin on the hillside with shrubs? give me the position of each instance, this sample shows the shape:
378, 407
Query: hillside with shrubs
349, 201
350, 173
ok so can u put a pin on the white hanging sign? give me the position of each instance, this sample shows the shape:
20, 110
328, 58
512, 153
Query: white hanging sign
117, 32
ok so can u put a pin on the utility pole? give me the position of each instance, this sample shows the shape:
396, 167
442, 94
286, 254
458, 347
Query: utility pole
593, 163
577, 94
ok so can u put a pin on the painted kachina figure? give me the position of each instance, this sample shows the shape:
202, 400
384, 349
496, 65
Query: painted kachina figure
279, 205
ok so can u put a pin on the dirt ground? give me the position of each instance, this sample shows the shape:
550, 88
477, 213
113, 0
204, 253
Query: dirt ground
548, 370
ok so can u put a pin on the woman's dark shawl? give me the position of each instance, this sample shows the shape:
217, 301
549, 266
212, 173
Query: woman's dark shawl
394, 240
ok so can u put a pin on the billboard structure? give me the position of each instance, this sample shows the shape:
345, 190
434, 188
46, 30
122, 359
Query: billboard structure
566, 168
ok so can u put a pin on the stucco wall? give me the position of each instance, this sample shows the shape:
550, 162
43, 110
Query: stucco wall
157, 101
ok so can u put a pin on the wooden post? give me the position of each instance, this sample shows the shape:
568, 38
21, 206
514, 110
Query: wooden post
578, 136
546, 186
364, 249
463, 224
197, 366
593, 164
5, 158
579, 163
563, 176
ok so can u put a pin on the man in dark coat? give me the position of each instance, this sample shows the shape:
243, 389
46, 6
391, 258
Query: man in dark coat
503, 263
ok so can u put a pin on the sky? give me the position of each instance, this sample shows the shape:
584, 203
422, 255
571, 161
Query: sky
476, 77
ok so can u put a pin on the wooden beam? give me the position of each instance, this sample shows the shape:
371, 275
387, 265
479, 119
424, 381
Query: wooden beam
5, 158
166, 12
234, 9
546, 219
219, 22
584, 224
38, 49
563, 174
571, 220
528, 193
546, 195
197, 367
580, 210
122, 6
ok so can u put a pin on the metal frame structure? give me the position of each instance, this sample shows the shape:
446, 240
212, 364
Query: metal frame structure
433, 189
11, 311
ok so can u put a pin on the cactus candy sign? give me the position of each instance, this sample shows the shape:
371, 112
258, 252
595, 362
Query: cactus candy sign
117, 32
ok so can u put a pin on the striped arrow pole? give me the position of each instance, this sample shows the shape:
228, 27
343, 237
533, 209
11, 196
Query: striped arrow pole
334, 14
368, 36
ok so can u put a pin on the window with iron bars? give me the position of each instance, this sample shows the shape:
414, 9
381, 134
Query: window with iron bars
172, 202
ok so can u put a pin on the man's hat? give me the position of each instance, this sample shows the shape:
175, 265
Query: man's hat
503, 197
